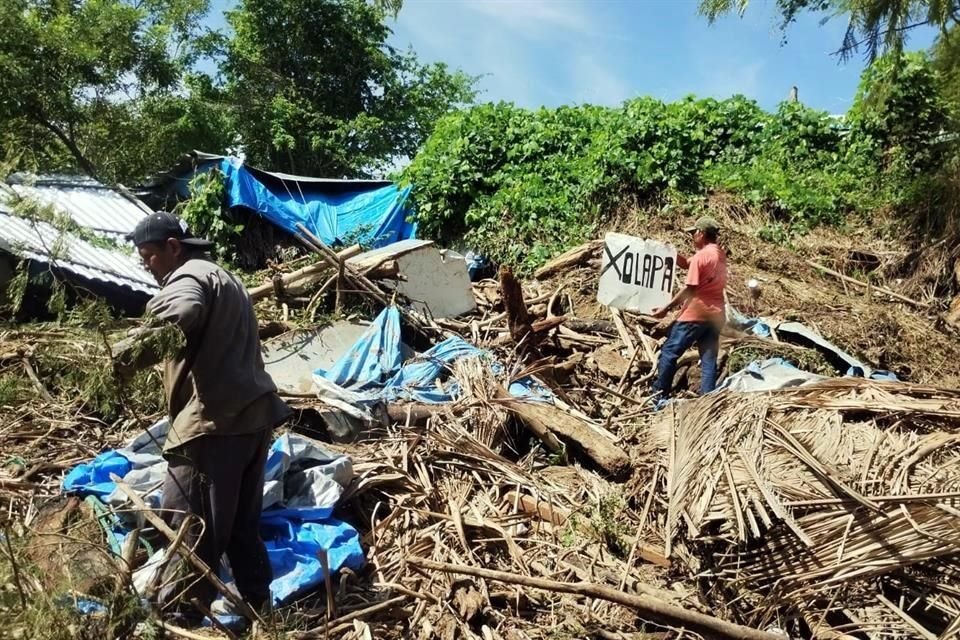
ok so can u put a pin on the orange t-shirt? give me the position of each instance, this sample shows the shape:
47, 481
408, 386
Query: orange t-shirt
708, 273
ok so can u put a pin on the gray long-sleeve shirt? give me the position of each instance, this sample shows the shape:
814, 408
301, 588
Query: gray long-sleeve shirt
217, 385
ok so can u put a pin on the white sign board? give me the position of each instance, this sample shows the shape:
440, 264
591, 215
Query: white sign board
636, 274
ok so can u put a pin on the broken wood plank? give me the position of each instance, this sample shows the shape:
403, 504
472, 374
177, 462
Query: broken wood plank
518, 320
655, 609
545, 417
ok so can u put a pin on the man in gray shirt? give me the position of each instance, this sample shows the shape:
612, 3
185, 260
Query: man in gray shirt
222, 406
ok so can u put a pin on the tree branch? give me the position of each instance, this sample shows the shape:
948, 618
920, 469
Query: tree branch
67, 141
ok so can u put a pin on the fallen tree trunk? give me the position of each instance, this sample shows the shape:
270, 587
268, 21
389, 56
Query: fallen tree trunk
572, 258
544, 417
656, 610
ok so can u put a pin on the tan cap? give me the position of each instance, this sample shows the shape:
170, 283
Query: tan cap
705, 224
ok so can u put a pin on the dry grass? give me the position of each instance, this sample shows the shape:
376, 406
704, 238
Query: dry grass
790, 499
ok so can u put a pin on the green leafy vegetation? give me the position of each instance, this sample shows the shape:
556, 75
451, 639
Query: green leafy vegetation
123, 89
522, 185
203, 212
874, 26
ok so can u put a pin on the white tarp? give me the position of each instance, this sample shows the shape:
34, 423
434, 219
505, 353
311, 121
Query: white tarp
636, 274
768, 375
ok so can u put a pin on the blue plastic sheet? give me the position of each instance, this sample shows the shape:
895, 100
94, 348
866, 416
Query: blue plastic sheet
375, 356
293, 547
293, 534
93, 478
373, 367
375, 217
416, 379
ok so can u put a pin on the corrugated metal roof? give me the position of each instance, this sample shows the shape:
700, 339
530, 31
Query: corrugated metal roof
89, 203
44, 243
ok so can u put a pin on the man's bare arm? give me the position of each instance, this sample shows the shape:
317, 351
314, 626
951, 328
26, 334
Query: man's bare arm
682, 296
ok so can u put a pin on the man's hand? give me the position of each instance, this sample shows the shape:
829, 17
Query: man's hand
683, 262
123, 371
660, 313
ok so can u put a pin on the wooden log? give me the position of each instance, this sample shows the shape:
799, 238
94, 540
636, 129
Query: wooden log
867, 285
544, 417
572, 258
539, 428
302, 278
592, 326
518, 321
657, 610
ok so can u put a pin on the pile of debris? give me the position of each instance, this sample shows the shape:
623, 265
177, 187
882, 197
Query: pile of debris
510, 479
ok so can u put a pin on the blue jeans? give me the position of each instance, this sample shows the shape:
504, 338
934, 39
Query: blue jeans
684, 335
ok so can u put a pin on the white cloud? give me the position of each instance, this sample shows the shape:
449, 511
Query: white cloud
534, 16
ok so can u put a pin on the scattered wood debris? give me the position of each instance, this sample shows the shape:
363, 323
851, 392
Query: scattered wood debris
829, 510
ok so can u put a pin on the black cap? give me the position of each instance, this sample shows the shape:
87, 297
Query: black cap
160, 227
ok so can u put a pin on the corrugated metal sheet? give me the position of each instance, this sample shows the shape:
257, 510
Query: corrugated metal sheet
89, 203
42, 242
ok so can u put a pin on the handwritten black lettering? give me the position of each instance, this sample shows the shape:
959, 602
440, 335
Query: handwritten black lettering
646, 270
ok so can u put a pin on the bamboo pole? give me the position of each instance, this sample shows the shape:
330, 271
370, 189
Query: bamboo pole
860, 283
188, 553
647, 606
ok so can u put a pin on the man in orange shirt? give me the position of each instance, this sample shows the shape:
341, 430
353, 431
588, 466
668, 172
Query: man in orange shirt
703, 312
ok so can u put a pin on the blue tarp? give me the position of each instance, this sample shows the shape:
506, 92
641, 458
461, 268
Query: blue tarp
93, 478
374, 217
375, 356
294, 530
374, 367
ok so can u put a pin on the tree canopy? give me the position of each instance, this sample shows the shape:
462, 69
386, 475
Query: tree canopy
119, 89
874, 26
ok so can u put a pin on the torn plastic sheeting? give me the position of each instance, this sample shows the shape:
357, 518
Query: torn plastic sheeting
417, 379
768, 375
373, 370
372, 358
757, 326
293, 546
303, 480
375, 218
803, 334
303, 484
93, 478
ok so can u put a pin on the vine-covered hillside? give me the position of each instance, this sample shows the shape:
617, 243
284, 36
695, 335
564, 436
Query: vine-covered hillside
521, 185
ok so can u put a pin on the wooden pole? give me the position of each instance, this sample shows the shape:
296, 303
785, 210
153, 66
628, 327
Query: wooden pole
866, 285
647, 606
188, 553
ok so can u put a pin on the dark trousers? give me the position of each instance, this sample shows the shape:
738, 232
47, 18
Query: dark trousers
684, 335
220, 480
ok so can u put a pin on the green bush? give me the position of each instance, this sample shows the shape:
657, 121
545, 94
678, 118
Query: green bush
521, 185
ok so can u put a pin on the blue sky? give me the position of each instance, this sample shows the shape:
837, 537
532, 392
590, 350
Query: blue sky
552, 52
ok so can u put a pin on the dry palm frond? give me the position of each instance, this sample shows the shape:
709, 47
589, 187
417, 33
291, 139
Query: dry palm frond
791, 497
